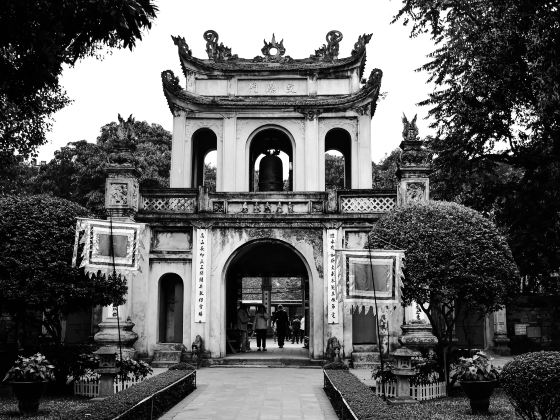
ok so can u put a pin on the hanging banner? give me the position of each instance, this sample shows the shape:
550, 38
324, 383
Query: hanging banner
200, 273
332, 300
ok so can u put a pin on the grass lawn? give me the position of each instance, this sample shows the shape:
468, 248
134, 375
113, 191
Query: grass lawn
457, 407
51, 407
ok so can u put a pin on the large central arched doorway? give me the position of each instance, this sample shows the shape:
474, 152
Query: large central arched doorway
268, 272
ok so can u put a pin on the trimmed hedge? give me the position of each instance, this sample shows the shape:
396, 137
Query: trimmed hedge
360, 398
148, 399
532, 383
351, 399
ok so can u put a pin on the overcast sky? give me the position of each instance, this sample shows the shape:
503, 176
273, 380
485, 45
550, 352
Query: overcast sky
128, 82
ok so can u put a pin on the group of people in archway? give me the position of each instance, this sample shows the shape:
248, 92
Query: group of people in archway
282, 326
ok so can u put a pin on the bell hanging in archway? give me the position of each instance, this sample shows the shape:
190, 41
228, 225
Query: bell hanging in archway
270, 172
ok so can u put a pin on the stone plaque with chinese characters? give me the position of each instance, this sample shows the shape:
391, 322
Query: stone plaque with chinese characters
200, 269
277, 87
332, 299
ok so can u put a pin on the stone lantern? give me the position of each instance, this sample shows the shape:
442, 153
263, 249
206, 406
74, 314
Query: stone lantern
107, 370
404, 370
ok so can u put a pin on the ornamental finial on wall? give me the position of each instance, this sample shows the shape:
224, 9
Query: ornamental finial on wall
273, 51
360, 44
410, 129
217, 52
328, 52
414, 152
182, 45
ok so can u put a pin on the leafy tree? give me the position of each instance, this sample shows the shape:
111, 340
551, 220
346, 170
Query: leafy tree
83, 165
334, 172
496, 111
383, 174
35, 263
37, 39
455, 260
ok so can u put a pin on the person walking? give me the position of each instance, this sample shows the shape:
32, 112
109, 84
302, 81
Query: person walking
295, 330
242, 321
261, 326
302, 330
282, 323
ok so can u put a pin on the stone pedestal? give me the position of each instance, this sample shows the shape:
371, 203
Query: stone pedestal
418, 336
108, 335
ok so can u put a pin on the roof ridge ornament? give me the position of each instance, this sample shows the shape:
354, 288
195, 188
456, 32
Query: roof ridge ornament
182, 45
360, 44
217, 52
328, 52
273, 51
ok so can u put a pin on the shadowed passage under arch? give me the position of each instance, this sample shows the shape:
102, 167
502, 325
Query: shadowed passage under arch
170, 309
266, 272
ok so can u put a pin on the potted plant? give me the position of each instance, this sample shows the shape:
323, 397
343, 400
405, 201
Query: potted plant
28, 377
478, 379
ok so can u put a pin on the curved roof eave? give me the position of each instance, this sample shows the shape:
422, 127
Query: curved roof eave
179, 98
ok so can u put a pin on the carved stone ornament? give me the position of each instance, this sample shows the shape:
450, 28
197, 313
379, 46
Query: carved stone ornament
328, 52
217, 52
182, 45
218, 207
310, 114
123, 144
414, 153
363, 109
118, 194
170, 81
361, 43
273, 51
415, 191
410, 129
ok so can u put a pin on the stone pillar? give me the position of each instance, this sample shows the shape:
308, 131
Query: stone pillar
229, 163
108, 335
364, 178
413, 168
501, 340
122, 192
180, 173
311, 145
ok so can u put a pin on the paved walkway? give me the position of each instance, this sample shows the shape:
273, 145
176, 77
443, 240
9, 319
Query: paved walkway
255, 394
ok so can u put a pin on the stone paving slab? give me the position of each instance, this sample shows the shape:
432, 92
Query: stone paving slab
255, 394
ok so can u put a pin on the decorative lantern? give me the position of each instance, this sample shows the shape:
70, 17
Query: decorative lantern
107, 370
403, 372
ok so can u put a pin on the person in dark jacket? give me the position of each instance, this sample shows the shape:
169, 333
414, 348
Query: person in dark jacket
282, 324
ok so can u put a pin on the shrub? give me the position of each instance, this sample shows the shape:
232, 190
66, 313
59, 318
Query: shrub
35, 368
130, 368
148, 399
532, 383
182, 366
338, 365
476, 368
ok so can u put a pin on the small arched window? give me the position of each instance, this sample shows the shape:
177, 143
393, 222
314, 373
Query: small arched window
338, 168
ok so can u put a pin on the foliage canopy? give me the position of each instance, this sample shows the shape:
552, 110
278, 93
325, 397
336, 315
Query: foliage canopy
454, 259
37, 39
496, 109
35, 262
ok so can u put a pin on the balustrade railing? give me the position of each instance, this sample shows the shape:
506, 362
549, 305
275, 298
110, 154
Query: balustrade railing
175, 200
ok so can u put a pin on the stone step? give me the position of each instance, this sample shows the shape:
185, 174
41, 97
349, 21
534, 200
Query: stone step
368, 357
365, 365
365, 348
263, 362
170, 347
162, 364
167, 356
